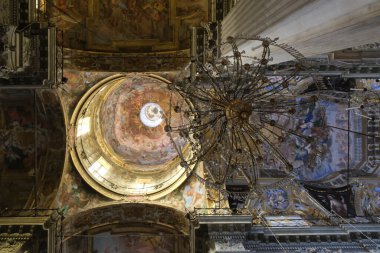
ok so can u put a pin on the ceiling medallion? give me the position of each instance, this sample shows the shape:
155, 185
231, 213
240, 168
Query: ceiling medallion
120, 147
236, 114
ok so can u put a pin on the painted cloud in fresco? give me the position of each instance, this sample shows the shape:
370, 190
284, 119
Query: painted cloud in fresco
127, 135
327, 155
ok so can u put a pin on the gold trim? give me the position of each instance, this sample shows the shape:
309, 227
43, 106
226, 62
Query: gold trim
174, 177
23, 220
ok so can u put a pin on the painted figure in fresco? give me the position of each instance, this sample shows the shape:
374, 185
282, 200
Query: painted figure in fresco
376, 200
366, 205
193, 194
337, 206
14, 155
139, 19
133, 244
277, 199
371, 201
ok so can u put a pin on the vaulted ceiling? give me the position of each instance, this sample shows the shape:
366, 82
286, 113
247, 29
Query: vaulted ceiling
127, 35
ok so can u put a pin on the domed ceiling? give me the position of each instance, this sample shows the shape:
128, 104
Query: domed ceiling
121, 148
121, 115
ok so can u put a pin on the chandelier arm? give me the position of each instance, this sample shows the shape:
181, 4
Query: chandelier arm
281, 104
214, 84
227, 171
205, 99
238, 69
250, 86
291, 131
243, 90
237, 139
179, 152
277, 153
281, 82
195, 128
259, 69
168, 122
234, 140
210, 173
169, 117
263, 126
254, 80
210, 147
220, 76
290, 50
249, 181
262, 93
203, 126
253, 141
231, 141
282, 109
176, 147
210, 111
272, 92
193, 96
209, 95
170, 109
252, 156
268, 51
269, 110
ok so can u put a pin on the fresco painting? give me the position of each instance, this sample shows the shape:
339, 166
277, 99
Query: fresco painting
277, 199
367, 199
132, 19
286, 221
32, 136
127, 136
370, 84
340, 201
133, 243
190, 195
327, 155
75, 195
193, 194
78, 82
131, 227
138, 26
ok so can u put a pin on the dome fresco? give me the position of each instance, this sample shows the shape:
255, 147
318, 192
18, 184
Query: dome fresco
116, 153
123, 129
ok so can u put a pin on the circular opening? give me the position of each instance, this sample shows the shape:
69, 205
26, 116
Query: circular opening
151, 115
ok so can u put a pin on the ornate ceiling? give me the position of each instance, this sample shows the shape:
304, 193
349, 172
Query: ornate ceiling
143, 32
137, 26
115, 151
32, 145
116, 157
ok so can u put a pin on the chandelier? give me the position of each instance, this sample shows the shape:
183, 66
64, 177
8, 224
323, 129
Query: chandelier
235, 115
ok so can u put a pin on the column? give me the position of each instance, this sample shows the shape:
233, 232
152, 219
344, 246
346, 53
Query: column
311, 26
